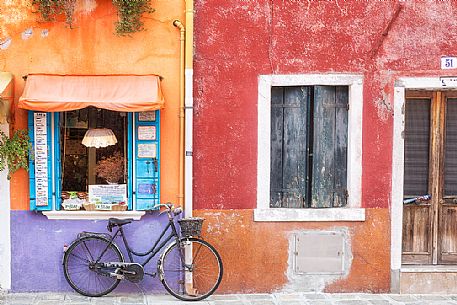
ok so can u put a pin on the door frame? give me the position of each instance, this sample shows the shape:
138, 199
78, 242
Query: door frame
401, 85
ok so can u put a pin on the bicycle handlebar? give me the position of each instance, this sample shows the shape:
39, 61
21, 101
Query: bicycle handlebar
417, 199
171, 208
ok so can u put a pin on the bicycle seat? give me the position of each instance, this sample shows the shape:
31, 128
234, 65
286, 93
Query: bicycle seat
119, 222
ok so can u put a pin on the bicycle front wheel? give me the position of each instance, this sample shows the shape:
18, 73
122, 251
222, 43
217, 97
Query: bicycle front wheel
191, 270
82, 266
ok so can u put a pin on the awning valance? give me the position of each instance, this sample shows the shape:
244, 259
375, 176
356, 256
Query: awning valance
6, 95
129, 93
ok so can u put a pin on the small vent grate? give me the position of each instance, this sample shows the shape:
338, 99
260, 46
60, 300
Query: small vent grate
319, 253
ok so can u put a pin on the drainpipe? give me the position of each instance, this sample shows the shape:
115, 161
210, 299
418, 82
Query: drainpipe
186, 104
177, 23
189, 103
186, 108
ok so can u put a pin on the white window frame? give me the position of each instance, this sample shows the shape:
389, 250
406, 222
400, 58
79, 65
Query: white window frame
352, 211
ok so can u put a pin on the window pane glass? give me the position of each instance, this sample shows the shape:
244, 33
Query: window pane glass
82, 166
450, 149
417, 139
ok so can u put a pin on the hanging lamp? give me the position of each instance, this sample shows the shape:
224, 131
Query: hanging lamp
99, 137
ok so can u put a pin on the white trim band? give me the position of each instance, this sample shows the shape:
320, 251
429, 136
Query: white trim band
324, 214
93, 215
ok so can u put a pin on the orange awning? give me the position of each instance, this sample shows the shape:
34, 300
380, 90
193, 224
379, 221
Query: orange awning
129, 93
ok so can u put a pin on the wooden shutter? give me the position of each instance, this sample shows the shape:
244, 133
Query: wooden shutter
289, 117
46, 165
329, 174
147, 160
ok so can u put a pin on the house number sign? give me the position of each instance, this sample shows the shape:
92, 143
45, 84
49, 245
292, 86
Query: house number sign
41, 158
448, 62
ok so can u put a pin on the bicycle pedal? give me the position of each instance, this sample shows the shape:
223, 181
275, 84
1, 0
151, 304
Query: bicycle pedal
154, 274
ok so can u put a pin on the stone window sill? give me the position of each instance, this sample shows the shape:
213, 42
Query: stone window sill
93, 215
309, 215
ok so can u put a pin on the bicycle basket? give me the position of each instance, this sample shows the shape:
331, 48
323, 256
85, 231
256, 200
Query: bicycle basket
191, 226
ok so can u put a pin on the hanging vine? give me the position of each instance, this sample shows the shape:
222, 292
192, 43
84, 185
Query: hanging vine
129, 14
50, 9
14, 151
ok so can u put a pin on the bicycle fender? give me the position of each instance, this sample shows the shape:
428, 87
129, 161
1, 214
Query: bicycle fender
159, 261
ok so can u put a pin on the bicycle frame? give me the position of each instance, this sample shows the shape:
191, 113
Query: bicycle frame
154, 249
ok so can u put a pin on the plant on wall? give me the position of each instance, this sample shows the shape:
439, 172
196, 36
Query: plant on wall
129, 15
129, 12
14, 151
49, 9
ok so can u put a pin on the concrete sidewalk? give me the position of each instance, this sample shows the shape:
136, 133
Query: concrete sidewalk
232, 299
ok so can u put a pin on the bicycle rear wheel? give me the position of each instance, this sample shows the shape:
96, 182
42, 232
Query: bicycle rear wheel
82, 270
191, 270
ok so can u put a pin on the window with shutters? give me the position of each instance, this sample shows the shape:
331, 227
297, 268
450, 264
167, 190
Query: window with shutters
308, 146
309, 163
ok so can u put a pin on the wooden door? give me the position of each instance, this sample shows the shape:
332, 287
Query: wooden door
430, 228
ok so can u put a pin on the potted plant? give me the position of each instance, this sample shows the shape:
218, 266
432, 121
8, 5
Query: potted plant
14, 151
111, 168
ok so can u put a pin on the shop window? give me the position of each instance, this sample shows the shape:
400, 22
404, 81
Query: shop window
121, 175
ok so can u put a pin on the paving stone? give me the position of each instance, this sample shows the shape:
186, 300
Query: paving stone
314, 296
352, 302
344, 296
262, 302
379, 302
432, 297
289, 296
228, 302
131, 299
403, 298
292, 302
320, 302
371, 296
258, 296
49, 302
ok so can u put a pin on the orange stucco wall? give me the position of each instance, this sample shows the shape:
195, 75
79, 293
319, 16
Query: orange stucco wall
92, 47
255, 254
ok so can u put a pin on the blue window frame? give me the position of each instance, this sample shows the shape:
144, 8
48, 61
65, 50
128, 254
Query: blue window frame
143, 161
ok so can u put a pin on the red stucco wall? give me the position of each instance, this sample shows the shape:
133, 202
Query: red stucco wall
236, 41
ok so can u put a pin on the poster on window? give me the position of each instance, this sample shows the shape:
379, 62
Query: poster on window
147, 150
146, 132
147, 116
105, 196
41, 158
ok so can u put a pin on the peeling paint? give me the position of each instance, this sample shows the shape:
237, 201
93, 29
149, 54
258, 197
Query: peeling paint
86, 6
27, 34
5, 43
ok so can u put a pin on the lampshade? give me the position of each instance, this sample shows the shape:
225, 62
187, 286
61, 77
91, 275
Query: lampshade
99, 137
